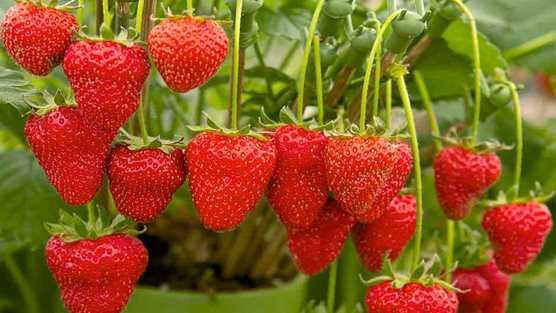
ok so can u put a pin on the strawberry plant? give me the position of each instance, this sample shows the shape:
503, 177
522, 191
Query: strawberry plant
218, 155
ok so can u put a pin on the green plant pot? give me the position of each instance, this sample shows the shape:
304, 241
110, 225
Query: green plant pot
288, 298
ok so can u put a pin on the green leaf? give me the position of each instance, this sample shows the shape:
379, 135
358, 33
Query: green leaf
511, 23
288, 22
458, 38
28, 200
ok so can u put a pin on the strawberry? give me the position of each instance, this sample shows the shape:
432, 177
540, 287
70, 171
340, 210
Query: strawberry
390, 233
366, 173
517, 232
461, 177
228, 175
315, 247
96, 276
37, 37
298, 190
413, 297
485, 289
70, 150
187, 51
107, 78
143, 181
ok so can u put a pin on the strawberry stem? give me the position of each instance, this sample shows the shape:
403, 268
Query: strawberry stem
91, 212
306, 55
318, 79
145, 25
378, 74
388, 104
366, 81
80, 12
417, 168
518, 137
190, 7
139, 19
476, 69
235, 65
450, 237
531, 45
332, 277
106, 15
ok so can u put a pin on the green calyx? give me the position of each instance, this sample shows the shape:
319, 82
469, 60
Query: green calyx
427, 273
286, 117
444, 13
510, 196
405, 28
334, 14
360, 46
212, 126
124, 37
52, 4
452, 138
472, 247
72, 228
377, 128
135, 143
44, 103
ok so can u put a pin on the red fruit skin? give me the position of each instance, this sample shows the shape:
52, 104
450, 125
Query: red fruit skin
461, 177
517, 232
144, 181
411, 298
298, 189
71, 151
390, 233
315, 247
96, 276
37, 38
187, 51
366, 173
485, 287
228, 176
107, 78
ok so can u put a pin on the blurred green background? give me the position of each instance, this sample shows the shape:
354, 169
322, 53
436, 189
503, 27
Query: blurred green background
27, 200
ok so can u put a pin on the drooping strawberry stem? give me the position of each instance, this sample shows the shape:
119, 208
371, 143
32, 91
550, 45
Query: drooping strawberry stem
370, 61
80, 12
435, 130
91, 211
402, 88
518, 137
235, 65
190, 7
476, 69
305, 62
388, 104
331, 294
139, 19
318, 79
106, 17
378, 74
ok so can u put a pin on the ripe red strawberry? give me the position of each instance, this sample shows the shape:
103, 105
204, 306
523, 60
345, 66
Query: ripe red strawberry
71, 151
461, 177
37, 37
390, 233
298, 190
517, 232
485, 289
144, 181
107, 78
413, 297
96, 276
314, 248
366, 173
187, 51
228, 176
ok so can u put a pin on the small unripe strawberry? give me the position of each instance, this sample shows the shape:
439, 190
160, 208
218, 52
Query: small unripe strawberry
37, 37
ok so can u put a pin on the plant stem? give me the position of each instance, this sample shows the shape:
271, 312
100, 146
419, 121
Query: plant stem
29, 297
306, 55
260, 58
476, 69
99, 19
235, 65
518, 138
145, 26
80, 12
139, 19
388, 104
332, 277
427, 103
450, 224
190, 7
318, 79
378, 74
106, 15
531, 45
420, 7
340, 86
402, 88
366, 81
91, 211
